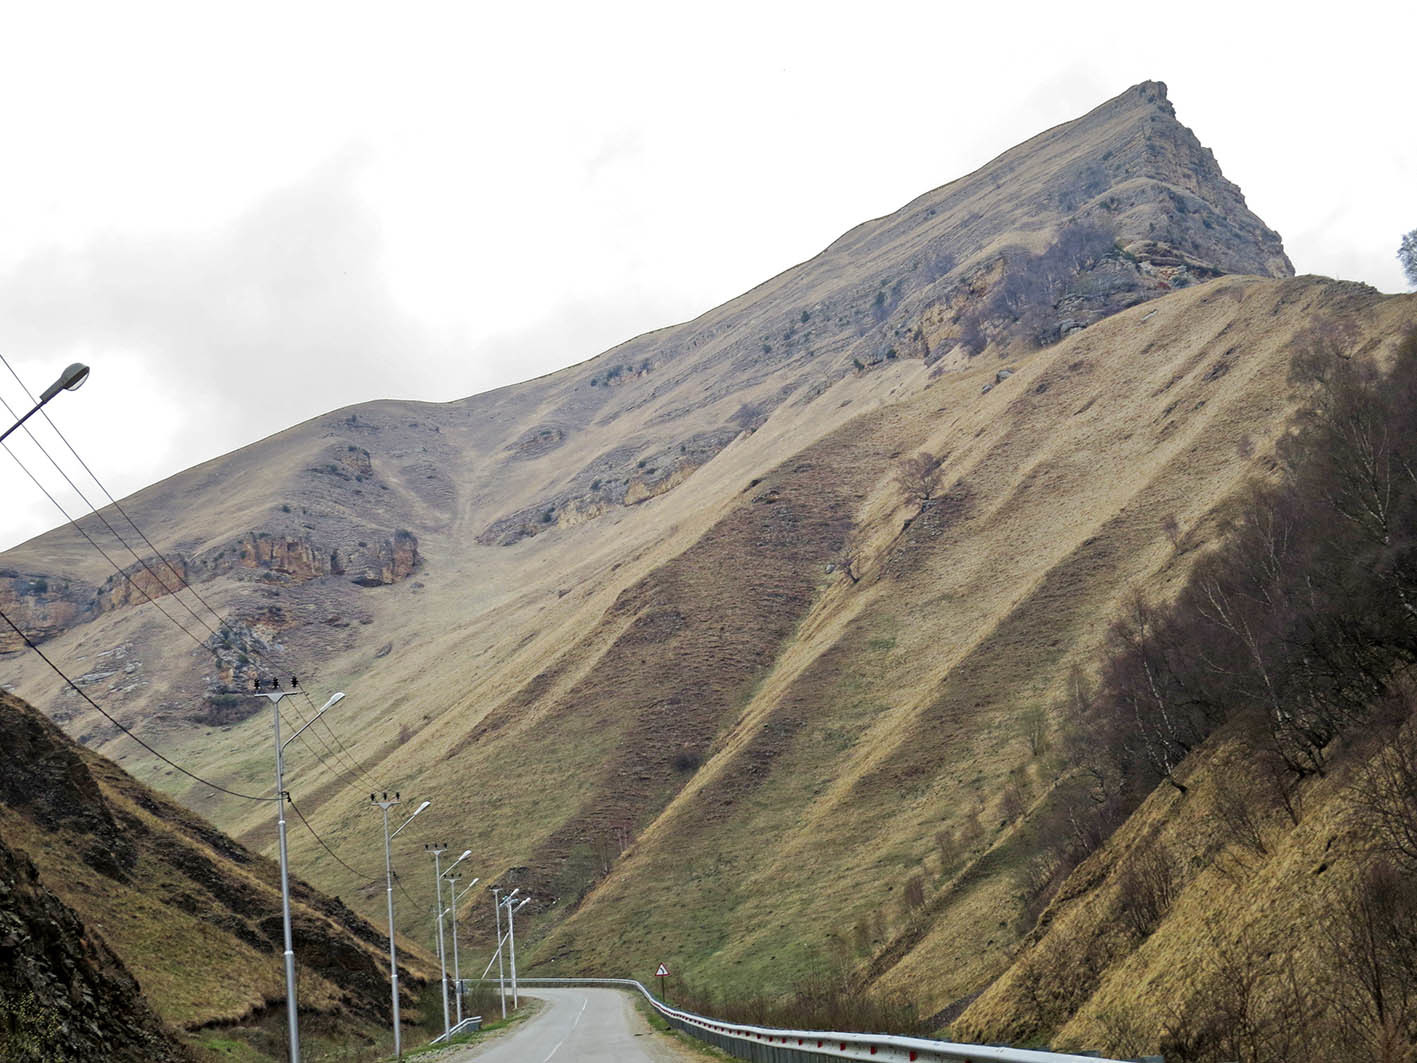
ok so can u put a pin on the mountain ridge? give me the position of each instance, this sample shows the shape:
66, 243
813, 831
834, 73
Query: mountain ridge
696, 592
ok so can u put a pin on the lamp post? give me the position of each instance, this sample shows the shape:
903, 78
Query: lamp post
512, 939
70, 380
274, 695
453, 907
386, 804
438, 896
501, 976
438, 849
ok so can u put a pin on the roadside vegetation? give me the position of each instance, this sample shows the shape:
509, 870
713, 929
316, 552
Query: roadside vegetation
828, 1000
1291, 647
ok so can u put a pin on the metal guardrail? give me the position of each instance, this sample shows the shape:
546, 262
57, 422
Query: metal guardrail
765, 1044
472, 1022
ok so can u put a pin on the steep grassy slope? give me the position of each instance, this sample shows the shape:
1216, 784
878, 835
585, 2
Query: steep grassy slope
901, 709
194, 916
664, 636
1248, 912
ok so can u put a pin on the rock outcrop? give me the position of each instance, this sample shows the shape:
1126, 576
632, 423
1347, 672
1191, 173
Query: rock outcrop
64, 994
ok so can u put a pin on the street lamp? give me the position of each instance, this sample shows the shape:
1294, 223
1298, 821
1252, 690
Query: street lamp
438, 850
501, 976
386, 804
70, 380
453, 907
512, 938
274, 695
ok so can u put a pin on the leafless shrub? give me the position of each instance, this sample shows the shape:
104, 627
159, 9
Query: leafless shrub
1012, 803
1372, 934
861, 939
1035, 729
949, 847
971, 830
825, 1000
1252, 1005
914, 893
1385, 797
1127, 1030
1146, 888
608, 845
1237, 806
1171, 528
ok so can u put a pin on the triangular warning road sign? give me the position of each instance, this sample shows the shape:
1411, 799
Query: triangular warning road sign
662, 972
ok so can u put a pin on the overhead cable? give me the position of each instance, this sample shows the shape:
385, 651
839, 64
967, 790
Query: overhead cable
80, 691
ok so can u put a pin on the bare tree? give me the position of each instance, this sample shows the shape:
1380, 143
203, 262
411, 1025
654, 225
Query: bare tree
919, 476
1171, 528
1035, 728
1372, 932
1146, 887
1385, 797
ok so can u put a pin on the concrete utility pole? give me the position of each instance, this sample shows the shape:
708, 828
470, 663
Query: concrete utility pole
386, 804
274, 696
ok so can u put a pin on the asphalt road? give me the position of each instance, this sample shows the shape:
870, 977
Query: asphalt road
581, 1026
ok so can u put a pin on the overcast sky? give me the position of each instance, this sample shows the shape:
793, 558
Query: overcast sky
246, 215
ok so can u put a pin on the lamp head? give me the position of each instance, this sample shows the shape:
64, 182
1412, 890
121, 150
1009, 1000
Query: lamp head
70, 380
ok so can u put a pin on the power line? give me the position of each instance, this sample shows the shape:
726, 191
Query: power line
78, 690
306, 725
104, 521
348, 757
182, 582
352, 870
35, 480
109, 495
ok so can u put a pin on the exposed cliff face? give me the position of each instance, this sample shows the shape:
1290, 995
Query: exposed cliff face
42, 605
45, 606
64, 994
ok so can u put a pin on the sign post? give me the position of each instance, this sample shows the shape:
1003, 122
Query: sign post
662, 974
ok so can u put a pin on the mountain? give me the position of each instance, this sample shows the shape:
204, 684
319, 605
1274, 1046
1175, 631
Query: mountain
136, 930
735, 645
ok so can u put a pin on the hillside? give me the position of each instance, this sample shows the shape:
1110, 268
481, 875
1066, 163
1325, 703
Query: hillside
149, 895
689, 640
1259, 902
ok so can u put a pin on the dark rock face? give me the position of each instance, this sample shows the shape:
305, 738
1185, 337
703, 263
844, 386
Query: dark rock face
64, 995
43, 777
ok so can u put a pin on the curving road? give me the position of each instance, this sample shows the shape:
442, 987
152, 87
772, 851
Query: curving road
581, 1026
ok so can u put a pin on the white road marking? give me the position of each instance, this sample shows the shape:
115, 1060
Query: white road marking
574, 1022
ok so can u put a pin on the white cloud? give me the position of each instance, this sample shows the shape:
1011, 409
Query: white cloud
253, 215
